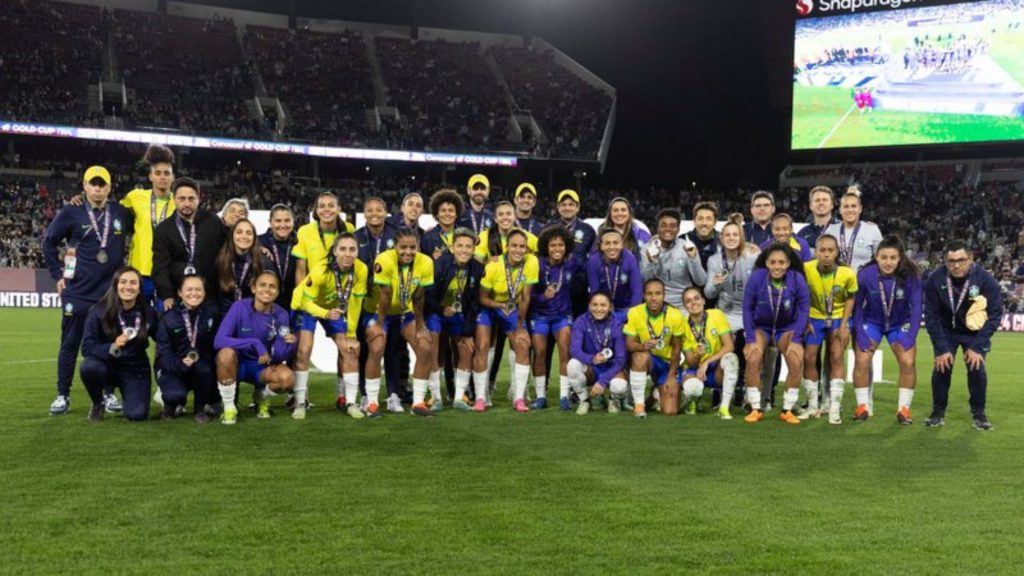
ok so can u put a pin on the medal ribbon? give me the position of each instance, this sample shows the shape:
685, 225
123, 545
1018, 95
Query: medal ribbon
190, 242
105, 235
513, 286
346, 292
191, 331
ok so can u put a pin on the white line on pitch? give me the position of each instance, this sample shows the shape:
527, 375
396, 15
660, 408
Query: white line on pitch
40, 361
836, 127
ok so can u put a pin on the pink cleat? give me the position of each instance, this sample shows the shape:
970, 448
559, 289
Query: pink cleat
480, 405
520, 406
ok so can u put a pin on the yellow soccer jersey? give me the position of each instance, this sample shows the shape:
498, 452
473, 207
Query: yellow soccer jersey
715, 325
313, 248
320, 296
667, 325
452, 290
842, 284
495, 280
139, 202
386, 273
483, 255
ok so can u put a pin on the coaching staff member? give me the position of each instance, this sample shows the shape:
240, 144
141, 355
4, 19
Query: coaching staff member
186, 244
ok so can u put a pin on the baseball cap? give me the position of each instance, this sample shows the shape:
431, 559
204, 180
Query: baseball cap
96, 172
479, 179
567, 193
526, 187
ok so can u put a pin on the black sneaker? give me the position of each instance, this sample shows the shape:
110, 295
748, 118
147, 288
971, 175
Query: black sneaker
201, 417
935, 420
981, 423
168, 412
96, 413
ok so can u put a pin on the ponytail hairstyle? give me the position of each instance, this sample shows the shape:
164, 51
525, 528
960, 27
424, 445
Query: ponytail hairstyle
795, 264
907, 268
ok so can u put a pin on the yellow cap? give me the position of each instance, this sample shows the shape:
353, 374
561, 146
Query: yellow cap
96, 172
478, 179
567, 193
525, 187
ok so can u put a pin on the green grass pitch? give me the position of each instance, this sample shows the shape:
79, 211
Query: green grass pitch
504, 493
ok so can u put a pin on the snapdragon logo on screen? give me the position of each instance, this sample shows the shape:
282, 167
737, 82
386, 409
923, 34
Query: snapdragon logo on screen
805, 7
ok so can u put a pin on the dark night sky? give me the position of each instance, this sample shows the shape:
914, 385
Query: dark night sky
703, 85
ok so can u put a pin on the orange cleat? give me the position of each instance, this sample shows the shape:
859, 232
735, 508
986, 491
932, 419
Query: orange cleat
754, 416
788, 417
903, 416
861, 413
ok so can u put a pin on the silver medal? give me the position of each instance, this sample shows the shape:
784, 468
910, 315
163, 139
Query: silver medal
192, 355
190, 270
607, 353
130, 332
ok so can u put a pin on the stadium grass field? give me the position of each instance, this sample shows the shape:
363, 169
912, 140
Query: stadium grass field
545, 492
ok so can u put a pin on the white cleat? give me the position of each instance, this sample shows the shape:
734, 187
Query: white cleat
834, 415
395, 404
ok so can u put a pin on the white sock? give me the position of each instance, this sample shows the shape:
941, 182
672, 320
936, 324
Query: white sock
419, 390
435, 385
836, 388
540, 385
863, 395
490, 358
340, 387
520, 378
637, 385
754, 396
511, 357
351, 380
461, 383
563, 385
227, 392
790, 398
301, 386
731, 374
580, 386
268, 393
811, 388
480, 384
906, 397
373, 390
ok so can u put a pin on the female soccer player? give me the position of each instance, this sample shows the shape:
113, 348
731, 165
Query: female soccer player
505, 294
620, 217
452, 306
728, 272
614, 270
184, 351
598, 351
114, 347
775, 309
446, 206
239, 261
402, 276
551, 312
672, 259
253, 344
494, 240
150, 207
654, 337
277, 244
334, 300
858, 239
314, 240
710, 354
782, 233
831, 285
889, 304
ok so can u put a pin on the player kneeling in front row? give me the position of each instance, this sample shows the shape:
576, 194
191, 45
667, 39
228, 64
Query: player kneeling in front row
184, 351
775, 308
253, 343
598, 351
654, 337
335, 300
889, 305
710, 354
114, 346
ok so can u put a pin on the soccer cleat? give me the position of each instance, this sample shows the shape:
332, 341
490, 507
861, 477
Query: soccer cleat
520, 406
299, 412
373, 411
395, 404
355, 412
421, 409
436, 405
60, 405
214, 409
263, 410
627, 403
564, 404
788, 417
96, 413
597, 402
111, 404
613, 406
862, 413
583, 408
691, 408
462, 405
639, 411
201, 417
723, 412
364, 402
480, 406
230, 415
341, 404
753, 417
539, 404
980, 422
158, 397
834, 414
903, 416
808, 413
935, 420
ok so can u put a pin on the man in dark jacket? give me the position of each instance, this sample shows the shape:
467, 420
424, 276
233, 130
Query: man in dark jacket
958, 297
